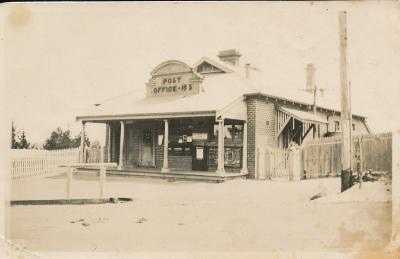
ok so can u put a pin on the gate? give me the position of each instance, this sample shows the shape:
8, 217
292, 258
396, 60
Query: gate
279, 164
272, 163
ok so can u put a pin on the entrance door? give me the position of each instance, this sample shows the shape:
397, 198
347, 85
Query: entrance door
147, 148
199, 158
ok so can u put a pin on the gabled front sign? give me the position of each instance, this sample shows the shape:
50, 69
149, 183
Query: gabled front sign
173, 77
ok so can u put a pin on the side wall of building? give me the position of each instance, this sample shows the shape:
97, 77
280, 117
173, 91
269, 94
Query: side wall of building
261, 119
261, 116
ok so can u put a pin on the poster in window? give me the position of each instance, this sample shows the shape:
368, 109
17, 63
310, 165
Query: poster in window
200, 136
160, 139
199, 153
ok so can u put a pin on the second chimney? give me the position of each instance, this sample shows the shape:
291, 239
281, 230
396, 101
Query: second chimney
230, 56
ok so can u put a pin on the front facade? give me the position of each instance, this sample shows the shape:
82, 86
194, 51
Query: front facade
208, 117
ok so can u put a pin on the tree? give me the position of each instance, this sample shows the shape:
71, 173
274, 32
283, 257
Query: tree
18, 140
23, 143
77, 141
14, 143
60, 139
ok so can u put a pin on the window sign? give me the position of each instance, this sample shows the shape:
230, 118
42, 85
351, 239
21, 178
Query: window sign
199, 153
200, 136
160, 139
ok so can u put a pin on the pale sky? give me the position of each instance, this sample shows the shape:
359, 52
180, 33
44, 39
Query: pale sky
60, 58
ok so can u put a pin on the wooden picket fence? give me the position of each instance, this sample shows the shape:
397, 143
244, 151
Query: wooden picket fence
322, 157
272, 163
25, 163
40, 162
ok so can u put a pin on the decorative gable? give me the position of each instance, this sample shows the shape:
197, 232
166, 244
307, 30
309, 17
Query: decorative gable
207, 68
173, 77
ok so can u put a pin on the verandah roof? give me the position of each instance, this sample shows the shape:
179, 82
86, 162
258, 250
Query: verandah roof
304, 116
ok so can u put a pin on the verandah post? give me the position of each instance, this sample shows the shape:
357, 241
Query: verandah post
244, 150
165, 168
108, 143
221, 162
121, 146
82, 146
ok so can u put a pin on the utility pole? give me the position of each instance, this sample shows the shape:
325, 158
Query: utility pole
345, 105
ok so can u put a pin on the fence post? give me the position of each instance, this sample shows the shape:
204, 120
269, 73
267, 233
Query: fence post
261, 158
69, 181
101, 154
102, 180
290, 154
268, 165
257, 171
260, 163
294, 163
396, 187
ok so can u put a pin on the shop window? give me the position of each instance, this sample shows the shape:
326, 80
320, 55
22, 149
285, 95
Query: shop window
232, 157
233, 131
230, 131
180, 138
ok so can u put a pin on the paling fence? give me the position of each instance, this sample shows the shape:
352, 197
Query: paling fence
322, 157
25, 163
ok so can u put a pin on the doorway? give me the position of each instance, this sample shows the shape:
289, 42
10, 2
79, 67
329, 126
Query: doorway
199, 158
147, 147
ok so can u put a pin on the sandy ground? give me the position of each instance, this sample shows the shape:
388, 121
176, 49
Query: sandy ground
235, 216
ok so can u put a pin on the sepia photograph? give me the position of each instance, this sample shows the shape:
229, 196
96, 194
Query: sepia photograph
200, 129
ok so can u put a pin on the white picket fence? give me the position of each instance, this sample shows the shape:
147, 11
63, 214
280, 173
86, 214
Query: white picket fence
31, 162
26, 163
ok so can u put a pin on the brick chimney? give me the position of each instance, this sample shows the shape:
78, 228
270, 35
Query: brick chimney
230, 56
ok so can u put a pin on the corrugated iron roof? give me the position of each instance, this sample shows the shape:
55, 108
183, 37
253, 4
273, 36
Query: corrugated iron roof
219, 90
